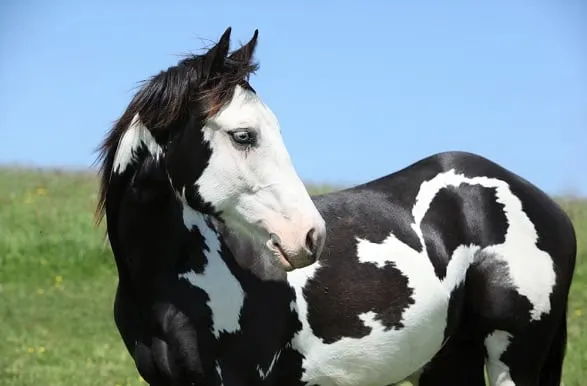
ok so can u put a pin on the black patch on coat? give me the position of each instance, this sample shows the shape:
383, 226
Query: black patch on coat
462, 359
367, 214
462, 215
289, 369
148, 185
455, 310
493, 298
188, 155
267, 324
337, 296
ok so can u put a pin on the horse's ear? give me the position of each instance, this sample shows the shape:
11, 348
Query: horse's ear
214, 58
246, 52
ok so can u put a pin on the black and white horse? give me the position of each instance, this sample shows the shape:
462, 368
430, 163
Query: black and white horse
427, 274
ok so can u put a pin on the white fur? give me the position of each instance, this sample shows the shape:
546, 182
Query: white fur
385, 357
133, 137
461, 259
519, 251
226, 296
499, 373
257, 191
382, 357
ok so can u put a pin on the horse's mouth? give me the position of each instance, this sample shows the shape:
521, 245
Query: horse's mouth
274, 246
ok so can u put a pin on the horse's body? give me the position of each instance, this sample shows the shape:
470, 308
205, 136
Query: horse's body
491, 284
425, 273
453, 250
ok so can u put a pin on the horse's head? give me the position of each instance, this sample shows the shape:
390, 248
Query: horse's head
223, 152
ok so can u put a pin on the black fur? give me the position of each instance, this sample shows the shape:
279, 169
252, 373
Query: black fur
451, 222
360, 285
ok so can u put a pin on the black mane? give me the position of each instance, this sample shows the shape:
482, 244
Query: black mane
198, 85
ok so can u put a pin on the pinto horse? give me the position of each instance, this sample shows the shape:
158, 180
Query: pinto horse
226, 277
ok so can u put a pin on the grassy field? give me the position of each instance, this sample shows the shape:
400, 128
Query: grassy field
57, 281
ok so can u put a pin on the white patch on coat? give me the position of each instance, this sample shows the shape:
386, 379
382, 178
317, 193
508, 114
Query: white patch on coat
496, 344
460, 260
226, 295
519, 250
383, 356
131, 140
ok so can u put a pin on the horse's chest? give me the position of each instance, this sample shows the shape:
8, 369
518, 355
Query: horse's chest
374, 323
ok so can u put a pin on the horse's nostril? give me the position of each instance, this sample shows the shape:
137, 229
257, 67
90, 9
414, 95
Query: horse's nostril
311, 240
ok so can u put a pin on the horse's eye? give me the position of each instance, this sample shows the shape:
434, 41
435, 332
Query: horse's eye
243, 137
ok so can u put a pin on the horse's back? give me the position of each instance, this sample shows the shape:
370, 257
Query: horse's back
455, 198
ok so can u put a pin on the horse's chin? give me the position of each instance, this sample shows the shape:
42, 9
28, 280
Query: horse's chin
251, 252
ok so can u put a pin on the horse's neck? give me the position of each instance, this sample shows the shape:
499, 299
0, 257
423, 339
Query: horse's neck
264, 325
218, 275
176, 267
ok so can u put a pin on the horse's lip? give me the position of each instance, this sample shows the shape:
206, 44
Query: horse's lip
274, 245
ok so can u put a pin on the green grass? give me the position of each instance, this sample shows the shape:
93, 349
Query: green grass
57, 282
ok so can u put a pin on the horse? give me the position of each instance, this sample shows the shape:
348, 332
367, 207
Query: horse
218, 147
429, 274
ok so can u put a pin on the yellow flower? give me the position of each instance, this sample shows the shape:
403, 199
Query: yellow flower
578, 312
40, 291
41, 191
30, 350
58, 279
41, 349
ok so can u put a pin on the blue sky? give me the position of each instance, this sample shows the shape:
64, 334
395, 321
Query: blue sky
361, 89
